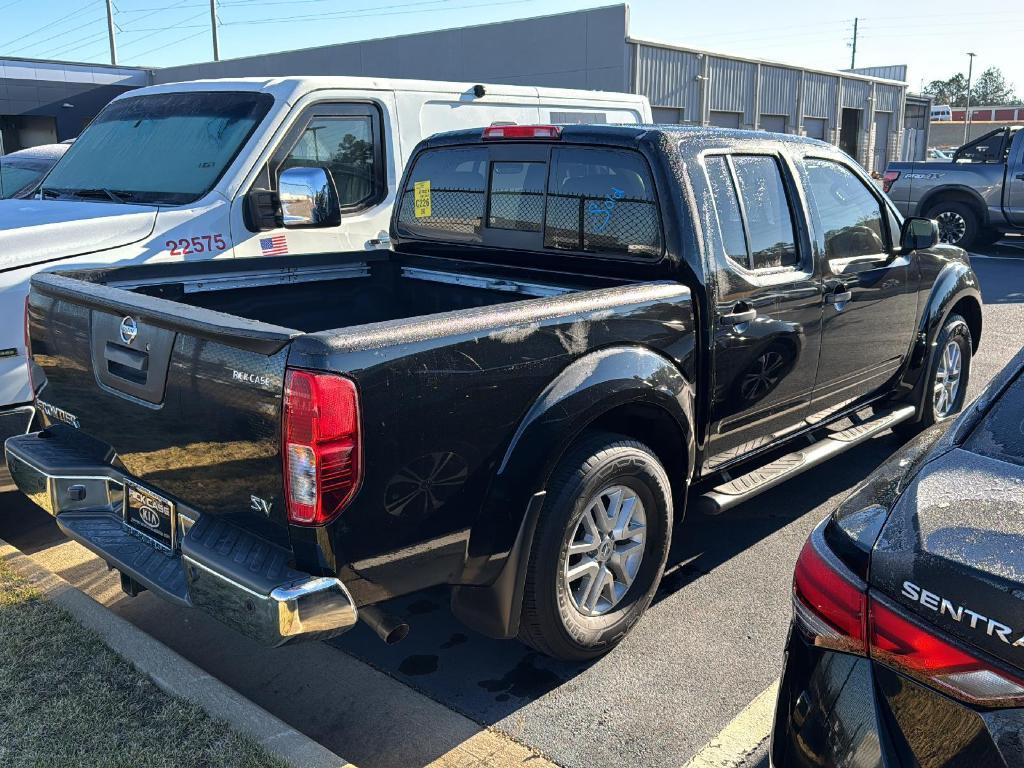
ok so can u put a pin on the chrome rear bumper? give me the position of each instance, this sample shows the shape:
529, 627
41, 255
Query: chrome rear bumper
85, 496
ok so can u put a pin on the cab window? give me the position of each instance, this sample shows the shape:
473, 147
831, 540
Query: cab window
847, 217
344, 147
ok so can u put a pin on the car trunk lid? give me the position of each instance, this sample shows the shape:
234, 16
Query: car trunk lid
952, 551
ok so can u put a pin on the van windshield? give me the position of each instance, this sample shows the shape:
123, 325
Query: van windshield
167, 148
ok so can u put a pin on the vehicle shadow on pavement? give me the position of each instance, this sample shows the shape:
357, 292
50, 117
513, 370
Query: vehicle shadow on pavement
489, 680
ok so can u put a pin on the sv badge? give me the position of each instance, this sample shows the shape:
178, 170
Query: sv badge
258, 505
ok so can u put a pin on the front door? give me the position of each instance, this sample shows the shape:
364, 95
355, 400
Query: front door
767, 307
869, 318
1014, 190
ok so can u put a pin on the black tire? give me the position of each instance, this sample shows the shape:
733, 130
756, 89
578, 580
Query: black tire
550, 622
955, 329
958, 223
988, 237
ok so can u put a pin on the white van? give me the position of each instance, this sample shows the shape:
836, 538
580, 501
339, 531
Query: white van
191, 171
942, 112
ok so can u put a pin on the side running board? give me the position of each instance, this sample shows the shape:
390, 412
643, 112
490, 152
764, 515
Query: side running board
740, 489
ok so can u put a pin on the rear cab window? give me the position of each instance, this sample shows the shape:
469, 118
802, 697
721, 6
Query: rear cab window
567, 199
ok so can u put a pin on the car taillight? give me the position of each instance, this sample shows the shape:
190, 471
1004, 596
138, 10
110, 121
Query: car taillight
829, 608
910, 648
888, 178
321, 445
834, 610
522, 132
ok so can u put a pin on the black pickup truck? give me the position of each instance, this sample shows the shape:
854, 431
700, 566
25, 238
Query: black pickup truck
578, 332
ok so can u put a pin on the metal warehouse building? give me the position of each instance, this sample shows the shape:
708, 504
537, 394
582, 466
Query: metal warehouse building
862, 111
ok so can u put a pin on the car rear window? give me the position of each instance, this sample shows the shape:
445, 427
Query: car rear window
578, 199
1000, 435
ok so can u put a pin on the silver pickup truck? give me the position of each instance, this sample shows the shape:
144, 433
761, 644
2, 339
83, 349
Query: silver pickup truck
976, 198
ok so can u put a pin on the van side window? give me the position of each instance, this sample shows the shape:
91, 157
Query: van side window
754, 212
343, 146
847, 217
769, 219
444, 195
602, 201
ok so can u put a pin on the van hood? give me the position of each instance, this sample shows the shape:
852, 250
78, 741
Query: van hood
37, 231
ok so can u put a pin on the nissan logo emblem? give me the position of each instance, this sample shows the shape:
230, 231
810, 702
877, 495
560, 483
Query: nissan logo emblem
149, 517
129, 330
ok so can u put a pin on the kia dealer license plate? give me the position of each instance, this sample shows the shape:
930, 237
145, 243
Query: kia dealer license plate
149, 513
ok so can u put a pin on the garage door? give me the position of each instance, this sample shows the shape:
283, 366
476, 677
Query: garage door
816, 127
726, 119
773, 123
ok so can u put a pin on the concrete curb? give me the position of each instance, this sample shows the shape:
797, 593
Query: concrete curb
172, 673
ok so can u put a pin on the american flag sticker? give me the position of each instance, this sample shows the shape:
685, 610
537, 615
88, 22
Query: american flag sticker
274, 246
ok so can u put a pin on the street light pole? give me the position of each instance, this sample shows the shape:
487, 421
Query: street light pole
967, 113
213, 28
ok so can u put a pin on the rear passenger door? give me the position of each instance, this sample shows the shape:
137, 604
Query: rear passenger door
869, 318
767, 305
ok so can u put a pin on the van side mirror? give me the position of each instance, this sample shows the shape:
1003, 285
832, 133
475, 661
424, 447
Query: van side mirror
308, 198
918, 233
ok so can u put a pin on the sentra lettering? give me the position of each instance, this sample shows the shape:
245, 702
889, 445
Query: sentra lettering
962, 614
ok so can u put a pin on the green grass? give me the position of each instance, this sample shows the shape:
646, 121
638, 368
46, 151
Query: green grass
67, 699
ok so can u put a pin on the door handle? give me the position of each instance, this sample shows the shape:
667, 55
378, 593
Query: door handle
741, 313
1020, 176
838, 297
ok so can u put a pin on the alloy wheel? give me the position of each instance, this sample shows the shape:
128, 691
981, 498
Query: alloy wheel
605, 549
947, 380
952, 227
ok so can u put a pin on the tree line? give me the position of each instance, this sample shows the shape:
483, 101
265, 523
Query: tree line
991, 87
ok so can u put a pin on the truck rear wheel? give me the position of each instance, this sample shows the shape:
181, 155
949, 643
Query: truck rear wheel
599, 550
958, 223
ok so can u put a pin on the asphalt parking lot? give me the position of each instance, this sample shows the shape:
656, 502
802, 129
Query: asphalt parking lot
708, 646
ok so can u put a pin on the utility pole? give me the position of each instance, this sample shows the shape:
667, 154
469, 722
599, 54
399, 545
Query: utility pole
967, 112
110, 31
213, 28
853, 45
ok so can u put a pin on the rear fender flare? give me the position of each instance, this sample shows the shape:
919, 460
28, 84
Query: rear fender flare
490, 597
955, 191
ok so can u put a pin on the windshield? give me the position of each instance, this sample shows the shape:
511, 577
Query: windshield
16, 175
168, 148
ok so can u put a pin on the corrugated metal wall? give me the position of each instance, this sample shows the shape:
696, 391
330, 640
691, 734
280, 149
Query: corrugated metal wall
673, 77
779, 89
732, 86
669, 78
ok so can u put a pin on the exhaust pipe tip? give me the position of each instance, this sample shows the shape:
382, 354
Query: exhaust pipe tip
388, 627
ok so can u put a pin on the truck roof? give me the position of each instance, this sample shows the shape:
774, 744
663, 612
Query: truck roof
699, 135
293, 87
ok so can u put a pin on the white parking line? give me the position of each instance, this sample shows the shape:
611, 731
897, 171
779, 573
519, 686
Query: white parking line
738, 740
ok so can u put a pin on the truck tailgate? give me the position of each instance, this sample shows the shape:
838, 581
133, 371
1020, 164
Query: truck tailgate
188, 399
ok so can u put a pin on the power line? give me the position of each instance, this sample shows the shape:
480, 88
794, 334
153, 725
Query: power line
173, 42
49, 26
371, 14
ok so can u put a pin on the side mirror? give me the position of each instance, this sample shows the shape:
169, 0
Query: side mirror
918, 234
308, 198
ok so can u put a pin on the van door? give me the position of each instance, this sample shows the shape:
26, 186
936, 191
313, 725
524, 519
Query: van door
767, 306
347, 139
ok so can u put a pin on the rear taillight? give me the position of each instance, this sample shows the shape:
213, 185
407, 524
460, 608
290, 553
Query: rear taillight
916, 651
522, 132
888, 178
834, 610
830, 608
321, 446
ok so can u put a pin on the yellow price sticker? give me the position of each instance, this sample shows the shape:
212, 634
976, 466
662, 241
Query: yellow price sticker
421, 199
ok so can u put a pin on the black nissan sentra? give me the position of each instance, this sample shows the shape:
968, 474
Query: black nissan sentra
907, 641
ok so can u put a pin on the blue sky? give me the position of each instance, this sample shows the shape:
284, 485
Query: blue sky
931, 36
